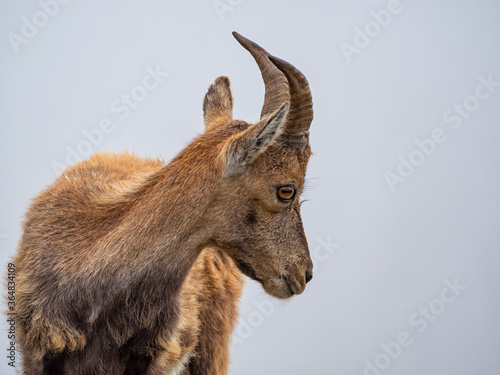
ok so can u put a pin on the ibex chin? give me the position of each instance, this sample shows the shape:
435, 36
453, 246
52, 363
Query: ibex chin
128, 265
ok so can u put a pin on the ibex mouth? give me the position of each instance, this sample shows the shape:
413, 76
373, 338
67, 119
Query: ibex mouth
292, 286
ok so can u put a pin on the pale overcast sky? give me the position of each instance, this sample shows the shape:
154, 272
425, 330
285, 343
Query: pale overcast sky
403, 214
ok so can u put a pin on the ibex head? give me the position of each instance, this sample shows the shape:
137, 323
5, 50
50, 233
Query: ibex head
262, 171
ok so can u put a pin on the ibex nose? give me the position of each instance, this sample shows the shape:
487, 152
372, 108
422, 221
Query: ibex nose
309, 275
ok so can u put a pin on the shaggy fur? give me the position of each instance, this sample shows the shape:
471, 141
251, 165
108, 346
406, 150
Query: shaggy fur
128, 265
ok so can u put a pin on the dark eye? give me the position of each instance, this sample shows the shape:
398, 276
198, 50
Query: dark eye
286, 193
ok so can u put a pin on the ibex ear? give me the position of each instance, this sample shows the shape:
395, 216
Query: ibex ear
218, 103
242, 148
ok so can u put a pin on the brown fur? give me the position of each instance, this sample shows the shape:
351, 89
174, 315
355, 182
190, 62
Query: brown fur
130, 266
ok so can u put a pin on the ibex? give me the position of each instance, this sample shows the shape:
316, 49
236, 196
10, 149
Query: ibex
128, 265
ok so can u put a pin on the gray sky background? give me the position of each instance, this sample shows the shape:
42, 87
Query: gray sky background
414, 96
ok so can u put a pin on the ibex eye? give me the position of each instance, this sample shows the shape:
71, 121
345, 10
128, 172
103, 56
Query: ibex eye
286, 193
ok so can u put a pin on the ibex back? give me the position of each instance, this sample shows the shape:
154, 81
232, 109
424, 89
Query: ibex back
105, 275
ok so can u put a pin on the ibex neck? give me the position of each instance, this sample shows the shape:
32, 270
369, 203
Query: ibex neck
165, 220
150, 249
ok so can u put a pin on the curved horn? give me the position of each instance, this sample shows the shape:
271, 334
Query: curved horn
300, 115
277, 90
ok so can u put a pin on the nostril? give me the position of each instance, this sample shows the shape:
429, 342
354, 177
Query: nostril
309, 275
